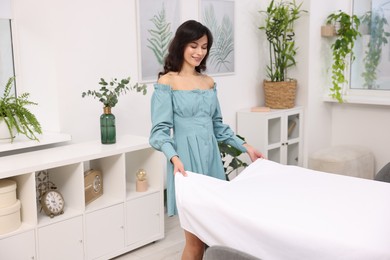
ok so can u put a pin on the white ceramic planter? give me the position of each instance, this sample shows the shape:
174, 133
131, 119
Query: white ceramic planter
4, 132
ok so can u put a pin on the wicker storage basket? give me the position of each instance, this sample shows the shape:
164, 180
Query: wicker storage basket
280, 94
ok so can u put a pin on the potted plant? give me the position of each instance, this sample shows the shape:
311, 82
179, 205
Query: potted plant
231, 153
108, 94
280, 17
342, 49
15, 117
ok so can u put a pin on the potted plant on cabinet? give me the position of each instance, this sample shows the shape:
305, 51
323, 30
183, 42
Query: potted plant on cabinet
280, 90
15, 117
108, 94
342, 49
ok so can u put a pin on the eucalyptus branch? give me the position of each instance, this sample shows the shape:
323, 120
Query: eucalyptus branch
109, 92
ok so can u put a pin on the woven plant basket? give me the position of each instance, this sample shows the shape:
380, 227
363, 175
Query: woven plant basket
280, 94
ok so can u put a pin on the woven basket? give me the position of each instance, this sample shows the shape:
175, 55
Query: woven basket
280, 94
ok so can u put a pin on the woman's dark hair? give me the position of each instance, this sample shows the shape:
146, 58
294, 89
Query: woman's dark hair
186, 33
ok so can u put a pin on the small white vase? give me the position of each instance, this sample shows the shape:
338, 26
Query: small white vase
4, 132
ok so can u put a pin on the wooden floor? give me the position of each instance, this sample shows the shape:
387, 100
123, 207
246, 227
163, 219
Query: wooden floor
169, 248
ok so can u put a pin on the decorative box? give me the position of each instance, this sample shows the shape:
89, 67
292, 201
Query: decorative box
7, 193
10, 218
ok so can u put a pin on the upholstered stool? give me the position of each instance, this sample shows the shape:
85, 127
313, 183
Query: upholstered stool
345, 160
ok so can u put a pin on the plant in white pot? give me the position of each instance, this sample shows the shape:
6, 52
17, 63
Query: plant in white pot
15, 117
108, 94
280, 17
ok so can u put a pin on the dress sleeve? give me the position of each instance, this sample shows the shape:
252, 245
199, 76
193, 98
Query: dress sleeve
223, 132
162, 120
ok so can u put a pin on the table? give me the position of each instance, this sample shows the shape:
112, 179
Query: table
275, 211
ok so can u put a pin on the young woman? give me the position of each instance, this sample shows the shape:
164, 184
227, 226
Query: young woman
185, 101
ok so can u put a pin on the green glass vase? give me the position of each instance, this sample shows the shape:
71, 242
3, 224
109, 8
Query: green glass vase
107, 127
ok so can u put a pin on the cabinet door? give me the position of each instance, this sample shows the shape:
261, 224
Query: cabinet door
61, 240
293, 140
274, 135
104, 231
277, 134
10, 246
143, 219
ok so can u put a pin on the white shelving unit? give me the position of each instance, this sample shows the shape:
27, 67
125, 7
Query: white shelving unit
117, 222
277, 134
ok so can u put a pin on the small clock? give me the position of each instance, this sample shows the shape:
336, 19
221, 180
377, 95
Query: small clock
52, 203
93, 185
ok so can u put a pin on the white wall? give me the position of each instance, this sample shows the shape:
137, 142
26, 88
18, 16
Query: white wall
333, 123
5, 9
64, 47
318, 114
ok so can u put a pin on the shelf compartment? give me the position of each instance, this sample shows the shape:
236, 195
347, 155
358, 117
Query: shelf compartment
112, 168
151, 162
293, 154
274, 155
293, 126
25, 186
68, 180
274, 128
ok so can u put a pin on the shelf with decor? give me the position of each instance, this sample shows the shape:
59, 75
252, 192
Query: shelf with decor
117, 220
277, 133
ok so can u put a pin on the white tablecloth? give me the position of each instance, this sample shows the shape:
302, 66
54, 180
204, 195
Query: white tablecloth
274, 211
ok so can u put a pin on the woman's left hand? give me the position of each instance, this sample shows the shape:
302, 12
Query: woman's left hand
252, 152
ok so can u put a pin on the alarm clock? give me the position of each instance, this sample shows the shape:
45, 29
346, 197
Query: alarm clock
52, 203
93, 185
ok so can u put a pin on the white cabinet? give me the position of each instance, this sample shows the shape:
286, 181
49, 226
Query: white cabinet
11, 246
143, 225
277, 134
105, 231
118, 221
62, 240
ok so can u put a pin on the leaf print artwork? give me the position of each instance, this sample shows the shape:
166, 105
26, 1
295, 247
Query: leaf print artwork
160, 36
221, 57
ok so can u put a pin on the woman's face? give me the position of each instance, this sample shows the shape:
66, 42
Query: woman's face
195, 51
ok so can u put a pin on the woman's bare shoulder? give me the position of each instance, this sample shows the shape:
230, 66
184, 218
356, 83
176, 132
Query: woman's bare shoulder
209, 81
167, 79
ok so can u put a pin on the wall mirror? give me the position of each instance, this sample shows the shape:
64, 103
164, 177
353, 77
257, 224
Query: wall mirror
370, 70
6, 54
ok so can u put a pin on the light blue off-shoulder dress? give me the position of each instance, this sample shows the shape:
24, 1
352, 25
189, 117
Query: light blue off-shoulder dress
196, 120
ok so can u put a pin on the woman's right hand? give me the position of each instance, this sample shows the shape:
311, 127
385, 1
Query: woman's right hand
178, 165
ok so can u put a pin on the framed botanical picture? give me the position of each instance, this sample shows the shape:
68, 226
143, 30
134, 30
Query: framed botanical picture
157, 23
218, 16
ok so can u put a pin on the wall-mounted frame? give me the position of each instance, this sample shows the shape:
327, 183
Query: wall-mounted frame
218, 16
7, 69
157, 23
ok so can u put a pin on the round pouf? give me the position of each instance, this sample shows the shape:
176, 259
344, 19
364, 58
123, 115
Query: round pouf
347, 160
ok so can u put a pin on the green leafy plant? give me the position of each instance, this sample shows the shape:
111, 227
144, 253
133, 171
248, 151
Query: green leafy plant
16, 116
279, 29
231, 153
109, 92
342, 49
160, 36
376, 23
223, 45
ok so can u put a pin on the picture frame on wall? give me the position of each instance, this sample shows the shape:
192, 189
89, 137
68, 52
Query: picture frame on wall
157, 23
218, 16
